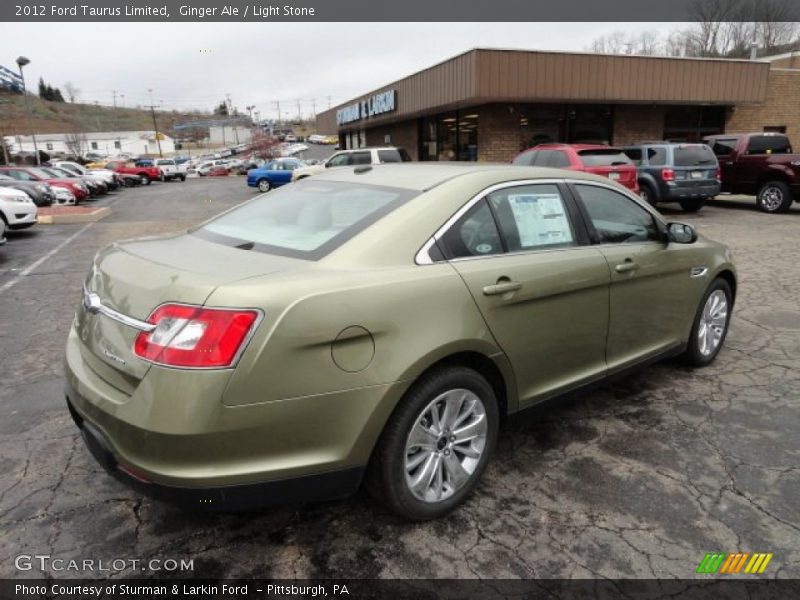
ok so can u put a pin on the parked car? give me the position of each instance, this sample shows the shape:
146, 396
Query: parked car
590, 158
108, 176
272, 174
76, 187
317, 139
667, 172
42, 194
3, 239
170, 170
361, 156
96, 185
17, 210
64, 196
761, 165
146, 174
218, 171
376, 323
203, 168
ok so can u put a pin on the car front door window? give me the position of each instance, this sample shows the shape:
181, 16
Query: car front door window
616, 218
474, 234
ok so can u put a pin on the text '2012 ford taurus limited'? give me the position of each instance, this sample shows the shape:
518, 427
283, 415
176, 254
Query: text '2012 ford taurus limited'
376, 324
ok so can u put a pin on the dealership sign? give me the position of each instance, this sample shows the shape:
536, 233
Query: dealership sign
376, 105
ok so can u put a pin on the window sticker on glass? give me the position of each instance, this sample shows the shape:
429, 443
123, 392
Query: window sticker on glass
541, 219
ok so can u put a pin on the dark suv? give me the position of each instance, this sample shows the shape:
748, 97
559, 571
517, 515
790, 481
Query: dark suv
669, 172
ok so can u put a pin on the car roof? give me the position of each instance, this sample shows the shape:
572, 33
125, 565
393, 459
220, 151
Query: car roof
577, 147
423, 176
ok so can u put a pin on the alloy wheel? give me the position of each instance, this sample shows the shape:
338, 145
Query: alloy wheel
713, 322
445, 445
771, 198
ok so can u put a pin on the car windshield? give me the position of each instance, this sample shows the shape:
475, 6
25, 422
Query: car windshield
604, 157
694, 156
307, 220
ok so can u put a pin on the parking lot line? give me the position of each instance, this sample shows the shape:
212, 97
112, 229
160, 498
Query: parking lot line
31, 268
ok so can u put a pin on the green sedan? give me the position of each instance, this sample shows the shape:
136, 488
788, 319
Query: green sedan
375, 325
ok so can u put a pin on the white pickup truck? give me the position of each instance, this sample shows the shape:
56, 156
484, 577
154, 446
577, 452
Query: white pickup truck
169, 170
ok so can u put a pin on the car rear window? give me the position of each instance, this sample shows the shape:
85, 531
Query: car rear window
308, 219
604, 157
525, 159
392, 155
693, 156
769, 144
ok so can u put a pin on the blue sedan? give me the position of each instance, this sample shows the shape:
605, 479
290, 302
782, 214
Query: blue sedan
273, 173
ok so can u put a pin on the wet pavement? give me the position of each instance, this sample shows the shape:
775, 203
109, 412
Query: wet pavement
637, 479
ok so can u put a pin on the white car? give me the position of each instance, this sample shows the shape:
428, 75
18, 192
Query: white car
355, 157
63, 196
2, 232
205, 167
17, 209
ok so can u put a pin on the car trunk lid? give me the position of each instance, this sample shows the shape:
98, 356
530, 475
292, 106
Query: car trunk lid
611, 163
133, 278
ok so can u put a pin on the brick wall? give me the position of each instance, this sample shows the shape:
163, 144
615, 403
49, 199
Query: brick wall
635, 123
403, 134
782, 107
498, 133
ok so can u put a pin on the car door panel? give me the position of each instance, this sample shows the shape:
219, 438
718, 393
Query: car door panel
553, 327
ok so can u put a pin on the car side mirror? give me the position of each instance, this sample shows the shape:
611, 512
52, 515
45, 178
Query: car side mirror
681, 233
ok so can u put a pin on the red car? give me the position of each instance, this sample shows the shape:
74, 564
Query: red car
78, 189
146, 174
590, 158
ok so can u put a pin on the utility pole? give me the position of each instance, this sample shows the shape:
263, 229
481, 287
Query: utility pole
329, 101
155, 125
122, 100
278, 104
299, 113
114, 96
21, 62
314, 107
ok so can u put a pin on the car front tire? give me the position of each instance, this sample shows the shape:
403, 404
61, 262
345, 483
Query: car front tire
711, 324
647, 194
774, 197
145, 179
264, 185
436, 445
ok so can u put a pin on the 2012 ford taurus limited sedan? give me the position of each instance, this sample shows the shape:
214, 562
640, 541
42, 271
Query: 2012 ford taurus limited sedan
376, 324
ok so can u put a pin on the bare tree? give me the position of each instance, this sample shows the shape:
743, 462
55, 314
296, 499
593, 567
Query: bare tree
75, 142
263, 145
73, 93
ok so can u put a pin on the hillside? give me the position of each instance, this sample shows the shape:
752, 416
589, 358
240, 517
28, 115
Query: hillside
58, 117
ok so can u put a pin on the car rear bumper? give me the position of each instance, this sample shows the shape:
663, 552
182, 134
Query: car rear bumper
173, 435
690, 190
330, 485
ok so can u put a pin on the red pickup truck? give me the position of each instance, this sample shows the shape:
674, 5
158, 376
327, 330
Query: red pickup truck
760, 165
147, 174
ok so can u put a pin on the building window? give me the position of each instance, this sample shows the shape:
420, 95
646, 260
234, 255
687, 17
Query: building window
692, 123
94, 145
775, 129
450, 136
118, 145
49, 146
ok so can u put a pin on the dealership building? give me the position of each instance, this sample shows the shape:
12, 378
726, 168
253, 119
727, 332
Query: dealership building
488, 104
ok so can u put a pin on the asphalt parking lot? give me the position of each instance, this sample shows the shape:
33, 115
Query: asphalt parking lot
638, 479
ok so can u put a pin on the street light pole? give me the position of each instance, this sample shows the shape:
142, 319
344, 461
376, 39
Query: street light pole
21, 62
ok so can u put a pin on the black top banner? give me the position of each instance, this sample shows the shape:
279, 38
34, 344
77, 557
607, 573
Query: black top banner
407, 10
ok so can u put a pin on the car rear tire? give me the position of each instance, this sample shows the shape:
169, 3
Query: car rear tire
692, 205
647, 194
774, 197
436, 445
264, 185
710, 324
145, 179
183, 177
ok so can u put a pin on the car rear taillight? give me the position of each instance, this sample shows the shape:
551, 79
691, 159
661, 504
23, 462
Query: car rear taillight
719, 174
194, 336
667, 175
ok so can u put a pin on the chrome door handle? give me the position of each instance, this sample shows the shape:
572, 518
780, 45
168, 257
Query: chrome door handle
501, 288
626, 267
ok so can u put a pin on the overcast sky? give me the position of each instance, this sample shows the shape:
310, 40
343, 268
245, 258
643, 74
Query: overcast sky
194, 65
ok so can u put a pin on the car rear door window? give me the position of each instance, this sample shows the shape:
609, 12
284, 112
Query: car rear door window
543, 158
474, 234
338, 160
360, 158
616, 218
532, 217
390, 155
657, 156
